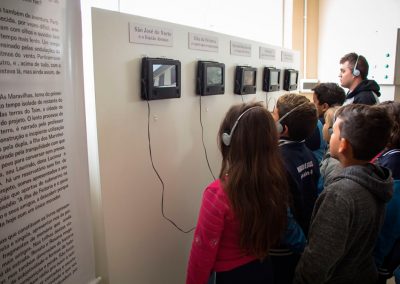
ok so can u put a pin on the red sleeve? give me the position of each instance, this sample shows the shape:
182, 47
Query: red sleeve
207, 236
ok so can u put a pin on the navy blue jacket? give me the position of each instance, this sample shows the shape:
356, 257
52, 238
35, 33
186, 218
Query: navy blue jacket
390, 232
303, 174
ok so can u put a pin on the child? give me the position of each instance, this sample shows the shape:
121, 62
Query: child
244, 212
328, 123
325, 96
387, 250
329, 167
296, 118
349, 212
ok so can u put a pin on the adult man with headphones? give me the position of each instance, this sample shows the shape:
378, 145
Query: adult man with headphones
353, 76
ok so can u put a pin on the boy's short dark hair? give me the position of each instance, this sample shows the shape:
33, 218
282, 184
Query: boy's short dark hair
302, 121
330, 93
367, 128
362, 63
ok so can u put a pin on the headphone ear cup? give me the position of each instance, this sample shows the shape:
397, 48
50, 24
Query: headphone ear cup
226, 139
356, 72
279, 127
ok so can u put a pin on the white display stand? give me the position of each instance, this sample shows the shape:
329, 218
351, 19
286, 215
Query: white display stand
45, 224
143, 247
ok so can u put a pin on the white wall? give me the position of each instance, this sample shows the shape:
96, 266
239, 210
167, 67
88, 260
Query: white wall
141, 246
367, 27
259, 20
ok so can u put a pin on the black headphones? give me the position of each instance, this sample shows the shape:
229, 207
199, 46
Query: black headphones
279, 125
356, 72
226, 137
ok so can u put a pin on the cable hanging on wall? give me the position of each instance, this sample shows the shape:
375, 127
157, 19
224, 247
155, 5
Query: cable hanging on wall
202, 139
159, 177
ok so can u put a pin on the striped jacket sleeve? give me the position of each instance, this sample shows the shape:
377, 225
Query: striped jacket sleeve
206, 238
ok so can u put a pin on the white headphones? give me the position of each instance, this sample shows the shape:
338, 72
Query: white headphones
226, 137
356, 72
279, 125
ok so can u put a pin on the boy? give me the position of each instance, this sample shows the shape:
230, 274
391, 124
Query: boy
325, 96
296, 119
349, 212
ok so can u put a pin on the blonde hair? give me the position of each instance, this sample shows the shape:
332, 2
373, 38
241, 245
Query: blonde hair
329, 117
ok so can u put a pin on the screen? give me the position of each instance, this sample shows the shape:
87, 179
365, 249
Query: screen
273, 78
214, 75
248, 78
164, 75
293, 78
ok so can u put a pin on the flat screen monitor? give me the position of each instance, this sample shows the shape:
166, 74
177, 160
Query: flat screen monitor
160, 78
271, 80
290, 79
293, 78
248, 77
214, 75
164, 76
274, 77
245, 80
210, 79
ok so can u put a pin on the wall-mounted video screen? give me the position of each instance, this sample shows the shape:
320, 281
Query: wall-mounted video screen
271, 79
160, 78
291, 77
245, 80
210, 79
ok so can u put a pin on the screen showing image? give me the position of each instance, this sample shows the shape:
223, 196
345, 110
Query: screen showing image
273, 78
293, 78
214, 75
164, 75
248, 78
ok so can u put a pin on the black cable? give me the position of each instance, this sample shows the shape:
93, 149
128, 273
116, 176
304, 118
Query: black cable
202, 139
159, 177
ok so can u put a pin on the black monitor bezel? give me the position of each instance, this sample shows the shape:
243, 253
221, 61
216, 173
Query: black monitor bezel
202, 88
288, 85
148, 90
267, 86
240, 88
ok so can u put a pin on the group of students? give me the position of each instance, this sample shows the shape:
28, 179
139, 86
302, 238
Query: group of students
280, 212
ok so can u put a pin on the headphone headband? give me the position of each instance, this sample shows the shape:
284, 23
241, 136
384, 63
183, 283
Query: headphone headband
279, 125
226, 138
356, 72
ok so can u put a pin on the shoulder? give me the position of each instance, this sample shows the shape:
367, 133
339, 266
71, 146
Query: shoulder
215, 189
391, 159
334, 196
365, 97
297, 154
340, 187
330, 168
214, 195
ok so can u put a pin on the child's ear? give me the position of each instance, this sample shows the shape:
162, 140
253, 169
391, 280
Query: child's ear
325, 107
344, 146
285, 132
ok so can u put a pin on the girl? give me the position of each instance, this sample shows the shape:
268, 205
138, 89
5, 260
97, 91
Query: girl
244, 212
